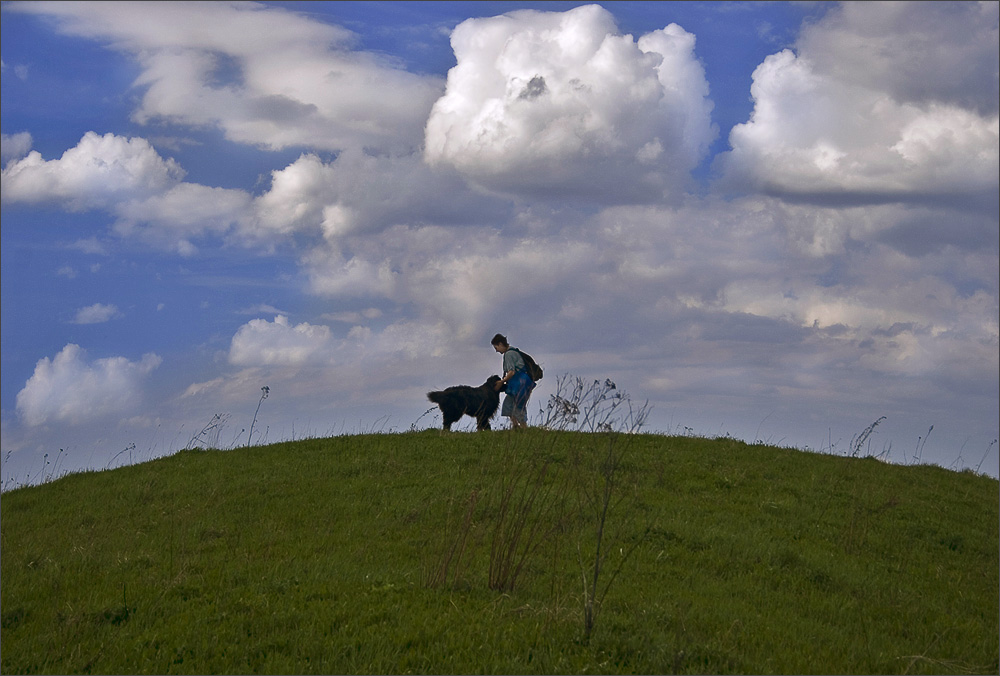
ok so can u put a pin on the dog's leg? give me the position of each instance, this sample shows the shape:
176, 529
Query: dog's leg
483, 415
451, 413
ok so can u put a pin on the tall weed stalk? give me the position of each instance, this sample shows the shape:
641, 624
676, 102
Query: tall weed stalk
264, 391
859, 441
449, 562
601, 408
208, 437
597, 406
603, 491
531, 506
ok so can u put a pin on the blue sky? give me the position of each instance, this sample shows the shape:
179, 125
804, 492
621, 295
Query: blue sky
773, 221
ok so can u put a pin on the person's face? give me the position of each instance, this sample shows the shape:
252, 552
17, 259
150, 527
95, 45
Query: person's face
500, 348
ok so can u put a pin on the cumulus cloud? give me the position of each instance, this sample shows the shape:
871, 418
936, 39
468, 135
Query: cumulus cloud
354, 195
263, 343
357, 275
359, 194
185, 212
128, 178
14, 146
98, 172
69, 388
264, 75
561, 102
864, 111
457, 276
658, 268
97, 313
917, 52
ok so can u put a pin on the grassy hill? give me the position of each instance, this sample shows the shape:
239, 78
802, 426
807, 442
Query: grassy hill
499, 552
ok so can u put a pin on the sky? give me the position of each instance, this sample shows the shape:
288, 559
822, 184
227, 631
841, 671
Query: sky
776, 222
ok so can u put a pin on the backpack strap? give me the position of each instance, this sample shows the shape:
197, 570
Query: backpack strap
528, 361
523, 360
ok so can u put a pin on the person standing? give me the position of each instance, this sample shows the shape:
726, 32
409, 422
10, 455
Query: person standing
517, 380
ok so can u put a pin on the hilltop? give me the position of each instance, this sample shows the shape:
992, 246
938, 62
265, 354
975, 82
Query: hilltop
500, 552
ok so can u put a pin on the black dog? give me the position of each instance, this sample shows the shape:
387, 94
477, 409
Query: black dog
479, 402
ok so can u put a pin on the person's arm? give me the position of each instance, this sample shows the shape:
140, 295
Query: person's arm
509, 366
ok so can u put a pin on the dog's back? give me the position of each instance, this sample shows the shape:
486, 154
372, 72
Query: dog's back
448, 393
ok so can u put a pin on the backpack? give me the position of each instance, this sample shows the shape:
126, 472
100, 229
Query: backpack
533, 369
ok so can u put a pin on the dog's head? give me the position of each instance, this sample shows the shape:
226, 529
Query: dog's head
492, 383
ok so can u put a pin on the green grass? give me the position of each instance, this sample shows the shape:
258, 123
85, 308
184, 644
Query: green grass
373, 554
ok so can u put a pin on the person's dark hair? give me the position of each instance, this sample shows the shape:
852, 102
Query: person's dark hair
499, 339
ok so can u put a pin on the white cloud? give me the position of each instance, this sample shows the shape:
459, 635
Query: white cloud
68, 388
99, 171
14, 146
453, 276
264, 75
90, 245
20, 70
262, 308
354, 317
637, 273
360, 194
97, 313
546, 102
263, 343
333, 274
865, 113
916, 52
184, 212
297, 196
127, 177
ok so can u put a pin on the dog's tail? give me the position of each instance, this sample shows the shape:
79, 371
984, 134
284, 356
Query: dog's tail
436, 397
